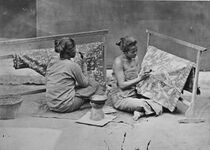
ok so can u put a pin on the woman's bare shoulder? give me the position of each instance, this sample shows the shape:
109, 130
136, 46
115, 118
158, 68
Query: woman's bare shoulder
118, 60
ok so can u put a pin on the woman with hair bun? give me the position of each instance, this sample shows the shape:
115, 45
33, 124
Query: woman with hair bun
67, 86
126, 68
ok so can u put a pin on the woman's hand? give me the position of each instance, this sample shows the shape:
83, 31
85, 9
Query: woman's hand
144, 76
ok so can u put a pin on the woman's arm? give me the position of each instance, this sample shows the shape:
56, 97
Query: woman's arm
80, 60
80, 78
138, 64
119, 74
84, 69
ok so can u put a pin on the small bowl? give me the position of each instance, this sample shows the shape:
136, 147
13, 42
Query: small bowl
9, 106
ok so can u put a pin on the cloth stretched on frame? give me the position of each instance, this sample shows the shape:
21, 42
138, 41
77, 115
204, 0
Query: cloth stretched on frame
170, 76
38, 59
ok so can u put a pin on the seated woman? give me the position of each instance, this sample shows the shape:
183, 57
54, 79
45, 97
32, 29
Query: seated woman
67, 87
126, 70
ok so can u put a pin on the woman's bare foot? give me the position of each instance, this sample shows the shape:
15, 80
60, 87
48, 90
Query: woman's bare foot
137, 115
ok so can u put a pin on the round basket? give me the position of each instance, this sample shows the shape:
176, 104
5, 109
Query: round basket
9, 106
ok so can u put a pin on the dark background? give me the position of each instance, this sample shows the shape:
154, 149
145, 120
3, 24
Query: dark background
188, 21
17, 18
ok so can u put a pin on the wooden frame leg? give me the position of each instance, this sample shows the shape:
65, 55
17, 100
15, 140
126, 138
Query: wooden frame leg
190, 113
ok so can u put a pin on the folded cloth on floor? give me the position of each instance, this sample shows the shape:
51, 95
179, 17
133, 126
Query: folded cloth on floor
168, 78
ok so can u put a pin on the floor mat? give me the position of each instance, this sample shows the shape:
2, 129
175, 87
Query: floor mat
73, 115
28, 138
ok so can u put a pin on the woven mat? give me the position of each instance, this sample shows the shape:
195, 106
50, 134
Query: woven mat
73, 115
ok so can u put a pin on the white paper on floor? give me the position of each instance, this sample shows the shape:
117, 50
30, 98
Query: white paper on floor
86, 120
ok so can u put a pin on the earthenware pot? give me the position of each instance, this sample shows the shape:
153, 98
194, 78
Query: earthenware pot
97, 102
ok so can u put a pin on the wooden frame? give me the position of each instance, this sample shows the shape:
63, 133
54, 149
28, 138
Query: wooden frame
31, 43
191, 110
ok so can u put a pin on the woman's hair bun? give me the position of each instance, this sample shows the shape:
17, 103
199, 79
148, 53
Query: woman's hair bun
125, 42
60, 44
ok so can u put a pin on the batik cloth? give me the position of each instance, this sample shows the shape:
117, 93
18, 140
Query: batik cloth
168, 77
38, 59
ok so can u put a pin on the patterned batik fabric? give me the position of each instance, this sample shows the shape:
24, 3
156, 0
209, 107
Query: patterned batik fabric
94, 57
35, 59
38, 59
168, 77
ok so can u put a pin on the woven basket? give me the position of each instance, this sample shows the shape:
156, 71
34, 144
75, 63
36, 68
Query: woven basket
9, 106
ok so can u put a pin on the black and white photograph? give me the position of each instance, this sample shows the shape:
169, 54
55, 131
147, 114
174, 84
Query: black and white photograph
104, 75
